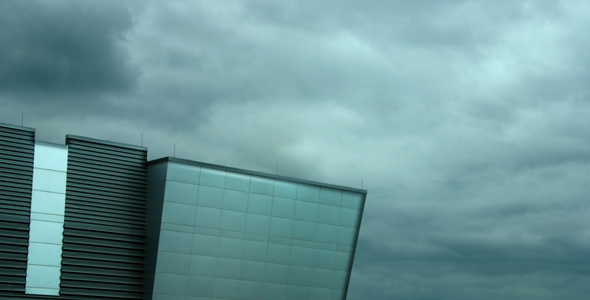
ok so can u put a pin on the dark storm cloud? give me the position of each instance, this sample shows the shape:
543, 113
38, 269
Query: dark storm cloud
467, 121
71, 47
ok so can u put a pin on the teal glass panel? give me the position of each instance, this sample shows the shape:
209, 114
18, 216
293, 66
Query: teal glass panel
352, 200
210, 197
276, 273
234, 200
228, 268
208, 217
327, 234
330, 196
283, 207
281, 227
200, 286
301, 256
272, 291
306, 211
279, 254
260, 204
300, 275
211, 177
230, 248
304, 230
328, 214
285, 189
262, 185
255, 251
308, 193
252, 270
350, 217
233, 220
257, 224
183, 173
237, 182
226, 288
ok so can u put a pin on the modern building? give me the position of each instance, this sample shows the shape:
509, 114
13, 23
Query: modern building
92, 219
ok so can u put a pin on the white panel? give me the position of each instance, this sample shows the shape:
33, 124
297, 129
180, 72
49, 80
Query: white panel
53, 157
47, 220
46, 232
47, 217
49, 181
44, 254
48, 203
41, 291
43, 277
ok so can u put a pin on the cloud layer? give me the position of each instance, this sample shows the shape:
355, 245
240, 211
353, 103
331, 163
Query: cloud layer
467, 121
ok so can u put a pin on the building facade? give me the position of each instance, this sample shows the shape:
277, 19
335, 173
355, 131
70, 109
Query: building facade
93, 219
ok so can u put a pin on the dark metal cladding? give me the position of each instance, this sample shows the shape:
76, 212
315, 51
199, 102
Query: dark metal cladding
17, 149
103, 247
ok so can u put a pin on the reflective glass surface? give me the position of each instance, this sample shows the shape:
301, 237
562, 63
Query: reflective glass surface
49, 203
257, 238
46, 232
43, 277
44, 254
214, 178
183, 173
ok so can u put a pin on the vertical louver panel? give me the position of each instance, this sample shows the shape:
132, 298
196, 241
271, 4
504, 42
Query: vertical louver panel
17, 149
103, 245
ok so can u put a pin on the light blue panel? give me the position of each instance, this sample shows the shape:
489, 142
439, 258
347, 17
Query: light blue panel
350, 217
338, 295
260, 204
48, 217
228, 268
233, 220
306, 211
252, 270
285, 189
200, 286
299, 275
208, 217
327, 234
176, 213
249, 290
262, 185
322, 278
41, 291
301, 256
202, 265
343, 261
173, 263
48, 203
280, 227
323, 259
323, 246
255, 251
45, 277
237, 182
330, 196
352, 200
170, 284
347, 236
44, 254
230, 248
226, 288
276, 273
46, 232
183, 173
210, 197
206, 231
283, 207
257, 224
328, 214
52, 157
320, 294
234, 200
341, 280
179, 242
280, 254
49, 181
180, 192
212, 177
298, 292
272, 291
205, 245
309, 193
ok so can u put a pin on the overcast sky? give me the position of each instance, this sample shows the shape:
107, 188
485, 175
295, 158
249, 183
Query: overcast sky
467, 121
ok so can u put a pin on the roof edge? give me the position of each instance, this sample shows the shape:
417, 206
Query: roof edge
111, 143
249, 172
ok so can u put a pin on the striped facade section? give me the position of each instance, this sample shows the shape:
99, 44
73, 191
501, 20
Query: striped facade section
103, 247
17, 148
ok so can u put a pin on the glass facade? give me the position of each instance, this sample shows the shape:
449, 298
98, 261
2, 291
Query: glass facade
228, 234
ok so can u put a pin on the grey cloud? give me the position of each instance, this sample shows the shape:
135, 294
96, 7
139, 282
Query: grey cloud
64, 48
